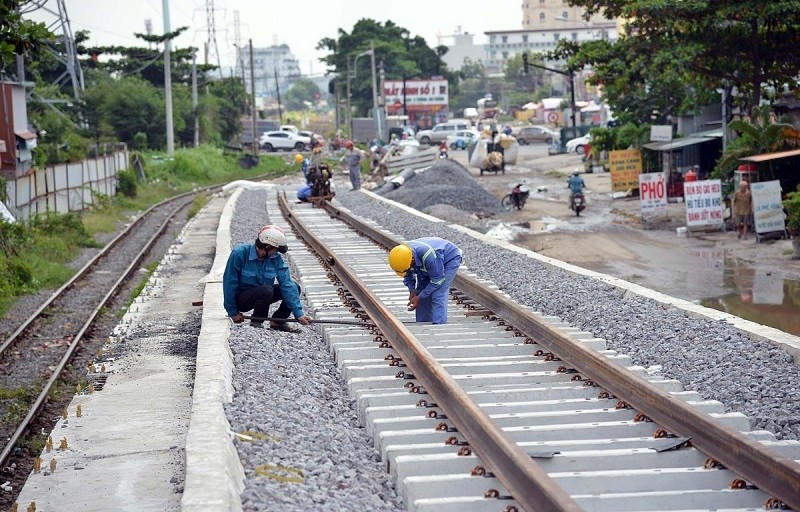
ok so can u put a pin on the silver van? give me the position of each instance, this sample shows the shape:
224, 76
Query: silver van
440, 132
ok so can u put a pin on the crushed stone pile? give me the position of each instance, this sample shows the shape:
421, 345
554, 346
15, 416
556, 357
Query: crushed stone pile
446, 183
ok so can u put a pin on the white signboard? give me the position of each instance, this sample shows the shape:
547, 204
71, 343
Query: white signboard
653, 194
661, 133
417, 92
767, 207
703, 202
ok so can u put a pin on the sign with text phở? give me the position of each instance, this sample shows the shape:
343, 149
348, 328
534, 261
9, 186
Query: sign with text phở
653, 194
703, 203
626, 166
767, 208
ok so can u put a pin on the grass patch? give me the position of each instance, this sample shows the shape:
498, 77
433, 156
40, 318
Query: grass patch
35, 254
199, 202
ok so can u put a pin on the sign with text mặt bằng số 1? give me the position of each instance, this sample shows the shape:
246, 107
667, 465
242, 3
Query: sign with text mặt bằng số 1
416, 92
625, 166
767, 207
653, 194
703, 203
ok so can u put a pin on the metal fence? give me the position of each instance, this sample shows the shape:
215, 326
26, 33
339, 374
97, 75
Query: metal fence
64, 188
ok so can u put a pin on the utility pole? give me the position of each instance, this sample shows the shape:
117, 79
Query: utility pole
278, 95
194, 102
168, 81
375, 112
349, 114
571, 76
253, 108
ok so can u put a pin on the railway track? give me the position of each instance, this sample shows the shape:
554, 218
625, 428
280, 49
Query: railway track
505, 409
40, 351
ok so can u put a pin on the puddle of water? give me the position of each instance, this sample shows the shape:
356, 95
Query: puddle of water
758, 296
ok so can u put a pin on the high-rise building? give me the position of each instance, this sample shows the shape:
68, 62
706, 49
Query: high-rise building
275, 68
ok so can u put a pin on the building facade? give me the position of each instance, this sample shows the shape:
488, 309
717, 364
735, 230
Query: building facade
275, 68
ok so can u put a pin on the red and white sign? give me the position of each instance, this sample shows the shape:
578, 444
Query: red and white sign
703, 202
653, 194
417, 92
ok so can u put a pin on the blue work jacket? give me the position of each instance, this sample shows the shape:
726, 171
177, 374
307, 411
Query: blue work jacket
244, 270
431, 256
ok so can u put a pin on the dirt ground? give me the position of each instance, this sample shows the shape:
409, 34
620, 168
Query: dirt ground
610, 236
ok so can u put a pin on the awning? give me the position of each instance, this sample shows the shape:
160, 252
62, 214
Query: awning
25, 134
771, 156
676, 144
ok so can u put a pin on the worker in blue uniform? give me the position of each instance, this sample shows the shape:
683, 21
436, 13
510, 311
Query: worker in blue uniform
428, 266
249, 282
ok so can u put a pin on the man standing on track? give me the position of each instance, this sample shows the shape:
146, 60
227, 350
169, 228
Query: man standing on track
428, 266
249, 281
353, 158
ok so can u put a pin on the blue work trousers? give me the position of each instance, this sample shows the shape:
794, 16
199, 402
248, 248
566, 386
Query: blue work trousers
434, 308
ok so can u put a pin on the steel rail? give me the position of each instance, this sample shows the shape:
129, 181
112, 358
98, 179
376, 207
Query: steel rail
83, 270
530, 485
764, 467
43, 395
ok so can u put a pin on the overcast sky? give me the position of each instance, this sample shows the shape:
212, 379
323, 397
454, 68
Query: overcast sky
301, 26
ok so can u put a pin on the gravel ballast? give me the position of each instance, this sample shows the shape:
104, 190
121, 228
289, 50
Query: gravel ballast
289, 391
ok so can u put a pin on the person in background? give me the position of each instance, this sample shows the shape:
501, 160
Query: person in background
742, 208
575, 184
304, 165
428, 266
249, 281
353, 158
701, 174
304, 192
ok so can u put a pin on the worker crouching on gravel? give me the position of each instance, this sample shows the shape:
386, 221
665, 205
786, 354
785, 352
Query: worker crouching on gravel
428, 266
249, 281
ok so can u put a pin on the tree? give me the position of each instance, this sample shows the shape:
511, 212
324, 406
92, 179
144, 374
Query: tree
404, 57
676, 54
19, 36
758, 134
303, 90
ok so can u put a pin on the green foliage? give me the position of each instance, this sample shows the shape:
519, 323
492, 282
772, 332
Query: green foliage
304, 90
139, 141
402, 55
792, 205
34, 254
758, 134
126, 183
675, 56
18, 35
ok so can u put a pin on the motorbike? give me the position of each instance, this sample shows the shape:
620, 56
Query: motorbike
577, 203
443, 152
516, 199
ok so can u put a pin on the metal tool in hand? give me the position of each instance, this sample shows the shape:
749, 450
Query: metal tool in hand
313, 321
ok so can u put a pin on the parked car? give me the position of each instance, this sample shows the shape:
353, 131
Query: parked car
273, 141
440, 132
578, 144
528, 134
462, 138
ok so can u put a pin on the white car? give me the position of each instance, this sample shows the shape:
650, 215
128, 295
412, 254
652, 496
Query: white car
273, 141
579, 144
462, 138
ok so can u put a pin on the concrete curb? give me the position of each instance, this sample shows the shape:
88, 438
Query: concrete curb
787, 342
214, 474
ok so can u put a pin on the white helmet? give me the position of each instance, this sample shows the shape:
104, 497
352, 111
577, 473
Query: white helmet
273, 236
